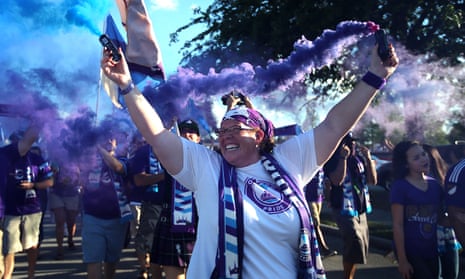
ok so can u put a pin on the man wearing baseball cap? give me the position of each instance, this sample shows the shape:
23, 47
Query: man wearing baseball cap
189, 130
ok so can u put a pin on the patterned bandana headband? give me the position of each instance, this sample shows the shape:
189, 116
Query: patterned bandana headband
251, 118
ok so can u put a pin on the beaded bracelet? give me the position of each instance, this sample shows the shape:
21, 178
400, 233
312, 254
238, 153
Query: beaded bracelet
374, 80
128, 89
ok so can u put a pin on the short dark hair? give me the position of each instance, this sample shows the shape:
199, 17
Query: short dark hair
16, 136
189, 126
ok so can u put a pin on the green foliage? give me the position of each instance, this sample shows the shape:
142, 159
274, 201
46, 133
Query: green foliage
427, 26
267, 29
457, 133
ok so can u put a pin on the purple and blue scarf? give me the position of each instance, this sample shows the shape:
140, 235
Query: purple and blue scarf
231, 228
183, 215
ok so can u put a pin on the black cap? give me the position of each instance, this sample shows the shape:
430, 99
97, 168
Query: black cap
189, 126
16, 136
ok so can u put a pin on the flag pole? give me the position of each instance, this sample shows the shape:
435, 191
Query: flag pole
97, 101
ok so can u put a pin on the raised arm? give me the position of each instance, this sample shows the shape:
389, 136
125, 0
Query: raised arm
344, 115
166, 145
371, 175
112, 162
336, 176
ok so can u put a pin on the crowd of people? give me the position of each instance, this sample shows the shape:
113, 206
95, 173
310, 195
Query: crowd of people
253, 219
103, 192
237, 211
249, 208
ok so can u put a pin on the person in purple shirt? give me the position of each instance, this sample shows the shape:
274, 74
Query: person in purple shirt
415, 206
27, 172
106, 212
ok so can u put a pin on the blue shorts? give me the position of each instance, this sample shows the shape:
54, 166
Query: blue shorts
102, 240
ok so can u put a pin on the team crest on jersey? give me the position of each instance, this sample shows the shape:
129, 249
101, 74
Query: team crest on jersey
265, 196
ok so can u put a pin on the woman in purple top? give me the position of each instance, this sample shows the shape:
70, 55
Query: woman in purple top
415, 205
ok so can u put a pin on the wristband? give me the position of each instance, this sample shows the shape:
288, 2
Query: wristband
374, 80
128, 89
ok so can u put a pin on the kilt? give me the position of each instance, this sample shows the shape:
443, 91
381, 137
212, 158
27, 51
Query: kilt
169, 248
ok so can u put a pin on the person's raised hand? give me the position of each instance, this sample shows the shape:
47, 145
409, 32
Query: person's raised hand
383, 68
116, 71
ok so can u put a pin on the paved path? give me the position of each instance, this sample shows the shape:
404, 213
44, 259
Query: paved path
379, 266
72, 267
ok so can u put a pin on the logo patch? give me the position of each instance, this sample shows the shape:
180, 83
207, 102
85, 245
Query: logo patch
266, 197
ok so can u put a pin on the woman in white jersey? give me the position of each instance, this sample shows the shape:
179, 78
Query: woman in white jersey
253, 220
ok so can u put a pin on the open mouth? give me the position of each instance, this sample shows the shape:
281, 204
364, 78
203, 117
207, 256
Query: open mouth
231, 147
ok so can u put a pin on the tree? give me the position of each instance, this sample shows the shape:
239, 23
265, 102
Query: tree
259, 30
427, 26
262, 29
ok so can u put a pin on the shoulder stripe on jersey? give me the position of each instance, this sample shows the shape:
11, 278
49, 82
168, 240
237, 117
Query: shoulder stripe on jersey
454, 176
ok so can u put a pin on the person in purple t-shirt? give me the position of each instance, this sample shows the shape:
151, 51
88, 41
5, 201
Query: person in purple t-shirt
106, 210
26, 173
415, 206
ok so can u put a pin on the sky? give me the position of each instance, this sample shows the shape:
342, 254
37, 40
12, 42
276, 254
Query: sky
167, 16
50, 69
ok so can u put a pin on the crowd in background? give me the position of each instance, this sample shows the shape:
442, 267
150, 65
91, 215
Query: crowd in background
143, 208
155, 194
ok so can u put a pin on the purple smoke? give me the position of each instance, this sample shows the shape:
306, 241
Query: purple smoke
170, 97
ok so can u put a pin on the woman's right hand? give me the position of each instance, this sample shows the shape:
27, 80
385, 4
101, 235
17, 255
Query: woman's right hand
116, 71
